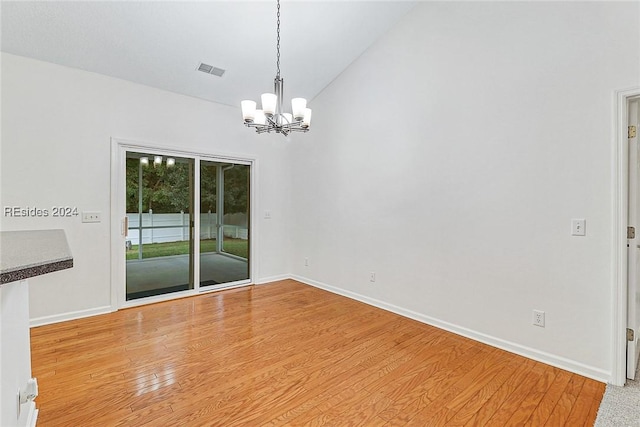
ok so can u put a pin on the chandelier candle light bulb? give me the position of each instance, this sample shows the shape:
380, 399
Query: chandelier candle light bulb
306, 120
260, 118
272, 118
269, 102
298, 105
248, 110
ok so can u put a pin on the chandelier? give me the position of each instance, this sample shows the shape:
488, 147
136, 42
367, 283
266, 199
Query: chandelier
271, 117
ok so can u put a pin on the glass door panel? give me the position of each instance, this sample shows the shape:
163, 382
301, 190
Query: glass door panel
209, 240
160, 205
224, 223
236, 212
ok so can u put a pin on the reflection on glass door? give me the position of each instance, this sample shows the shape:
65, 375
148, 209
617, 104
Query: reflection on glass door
160, 206
224, 223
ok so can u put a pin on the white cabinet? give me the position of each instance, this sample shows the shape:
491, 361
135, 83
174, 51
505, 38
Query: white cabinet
24, 254
15, 355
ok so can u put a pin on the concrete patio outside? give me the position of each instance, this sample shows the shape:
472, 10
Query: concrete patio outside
153, 274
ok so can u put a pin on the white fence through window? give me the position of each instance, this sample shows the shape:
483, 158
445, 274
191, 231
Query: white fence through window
174, 227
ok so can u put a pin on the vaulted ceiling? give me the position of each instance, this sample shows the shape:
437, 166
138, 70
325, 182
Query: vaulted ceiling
161, 43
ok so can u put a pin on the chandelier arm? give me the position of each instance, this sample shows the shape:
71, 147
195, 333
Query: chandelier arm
284, 129
271, 121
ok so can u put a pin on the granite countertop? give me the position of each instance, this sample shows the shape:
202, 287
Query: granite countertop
25, 254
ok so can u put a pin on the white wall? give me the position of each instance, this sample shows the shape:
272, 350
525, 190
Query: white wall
56, 128
450, 158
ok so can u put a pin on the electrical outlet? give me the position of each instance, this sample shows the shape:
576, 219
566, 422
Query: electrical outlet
306, 262
538, 318
91, 217
372, 277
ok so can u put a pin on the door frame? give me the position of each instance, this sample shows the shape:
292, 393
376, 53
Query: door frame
620, 203
119, 147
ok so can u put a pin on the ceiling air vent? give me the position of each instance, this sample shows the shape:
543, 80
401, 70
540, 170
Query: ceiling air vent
210, 69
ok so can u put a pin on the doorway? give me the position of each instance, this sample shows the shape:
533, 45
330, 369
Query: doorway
624, 296
633, 245
185, 223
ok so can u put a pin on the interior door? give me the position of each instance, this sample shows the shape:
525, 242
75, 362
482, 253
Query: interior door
633, 244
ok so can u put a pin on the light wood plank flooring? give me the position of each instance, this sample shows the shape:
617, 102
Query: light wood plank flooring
289, 354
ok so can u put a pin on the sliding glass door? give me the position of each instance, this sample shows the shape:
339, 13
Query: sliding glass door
170, 198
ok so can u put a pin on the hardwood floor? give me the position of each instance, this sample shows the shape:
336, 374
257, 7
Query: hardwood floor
289, 354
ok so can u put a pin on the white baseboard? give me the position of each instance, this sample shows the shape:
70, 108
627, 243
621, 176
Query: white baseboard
270, 279
528, 352
56, 318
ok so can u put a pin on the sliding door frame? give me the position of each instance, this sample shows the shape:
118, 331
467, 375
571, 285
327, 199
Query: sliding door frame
119, 148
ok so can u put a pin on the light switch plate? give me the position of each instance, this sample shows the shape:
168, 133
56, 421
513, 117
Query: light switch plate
578, 227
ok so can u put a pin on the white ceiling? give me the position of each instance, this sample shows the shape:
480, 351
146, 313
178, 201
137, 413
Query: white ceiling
160, 43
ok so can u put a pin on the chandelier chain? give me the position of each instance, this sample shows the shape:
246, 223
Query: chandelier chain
278, 46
